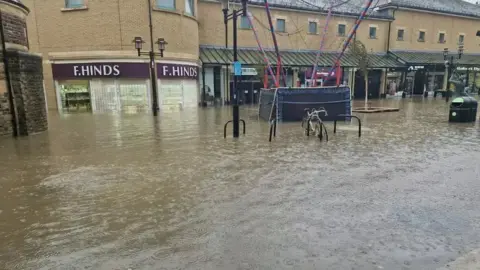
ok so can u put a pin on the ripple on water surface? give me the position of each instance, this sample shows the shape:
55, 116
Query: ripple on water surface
112, 192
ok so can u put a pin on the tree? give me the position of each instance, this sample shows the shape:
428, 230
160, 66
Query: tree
358, 49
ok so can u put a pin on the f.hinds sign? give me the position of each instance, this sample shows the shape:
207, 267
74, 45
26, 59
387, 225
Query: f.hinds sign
177, 71
122, 70
100, 70
96, 70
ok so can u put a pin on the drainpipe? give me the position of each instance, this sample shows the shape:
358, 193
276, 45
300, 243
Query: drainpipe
6, 69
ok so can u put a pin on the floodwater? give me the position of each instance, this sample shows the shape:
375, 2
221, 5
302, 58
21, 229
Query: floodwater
131, 191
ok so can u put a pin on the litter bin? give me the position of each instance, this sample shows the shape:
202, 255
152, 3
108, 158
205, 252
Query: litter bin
463, 109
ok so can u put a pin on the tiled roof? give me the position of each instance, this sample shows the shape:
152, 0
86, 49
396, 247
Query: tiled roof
455, 7
249, 56
423, 58
341, 7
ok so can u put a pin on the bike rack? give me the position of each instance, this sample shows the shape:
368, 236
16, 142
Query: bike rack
226, 124
273, 129
349, 116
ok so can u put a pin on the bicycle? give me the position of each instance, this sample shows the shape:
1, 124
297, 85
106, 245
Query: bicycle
314, 122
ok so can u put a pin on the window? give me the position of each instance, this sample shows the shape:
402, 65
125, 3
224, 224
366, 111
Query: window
165, 4
312, 27
373, 33
341, 30
400, 34
189, 7
245, 23
441, 38
461, 39
74, 3
421, 36
280, 25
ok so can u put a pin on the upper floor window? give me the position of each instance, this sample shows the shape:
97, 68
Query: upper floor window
166, 4
461, 39
280, 25
400, 34
373, 32
421, 36
245, 23
441, 37
312, 27
74, 3
341, 30
189, 7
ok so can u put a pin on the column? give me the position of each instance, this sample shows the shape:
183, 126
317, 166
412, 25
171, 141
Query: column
295, 77
383, 81
445, 79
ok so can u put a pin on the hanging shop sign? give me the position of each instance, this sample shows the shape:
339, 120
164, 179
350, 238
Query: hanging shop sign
100, 70
167, 70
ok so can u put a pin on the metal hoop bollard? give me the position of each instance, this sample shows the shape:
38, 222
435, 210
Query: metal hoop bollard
226, 124
349, 116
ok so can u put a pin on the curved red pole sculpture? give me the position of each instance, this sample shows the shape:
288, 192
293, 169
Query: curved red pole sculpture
352, 34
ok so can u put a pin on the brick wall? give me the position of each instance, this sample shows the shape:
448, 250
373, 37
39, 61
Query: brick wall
5, 116
14, 29
27, 85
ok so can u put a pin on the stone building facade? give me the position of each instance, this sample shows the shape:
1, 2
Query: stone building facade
22, 98
101, 32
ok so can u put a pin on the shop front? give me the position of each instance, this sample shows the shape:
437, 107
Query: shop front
103, 87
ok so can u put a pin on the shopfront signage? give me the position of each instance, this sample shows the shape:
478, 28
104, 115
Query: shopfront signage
100, 70
248, 72
412, 68
122, 70
167, 70
465, 68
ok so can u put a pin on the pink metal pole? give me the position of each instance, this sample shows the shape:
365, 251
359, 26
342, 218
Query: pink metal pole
279, 58
352, 34
322, 44
265, 58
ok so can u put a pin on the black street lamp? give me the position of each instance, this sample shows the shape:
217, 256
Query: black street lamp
226, 17
450, 65
161, 47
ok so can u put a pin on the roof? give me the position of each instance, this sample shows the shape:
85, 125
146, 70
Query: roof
434, 58
341, 7
453, 7
297, 58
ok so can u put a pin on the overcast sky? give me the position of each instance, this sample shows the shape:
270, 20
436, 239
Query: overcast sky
471, 1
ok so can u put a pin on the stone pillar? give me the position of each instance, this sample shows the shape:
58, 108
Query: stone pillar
383, 83
295, 77
23, 85
445, 79
5, 116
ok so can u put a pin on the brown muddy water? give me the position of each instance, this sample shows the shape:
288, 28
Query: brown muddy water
131, 191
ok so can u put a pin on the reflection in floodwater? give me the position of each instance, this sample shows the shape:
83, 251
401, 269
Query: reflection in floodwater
118, 192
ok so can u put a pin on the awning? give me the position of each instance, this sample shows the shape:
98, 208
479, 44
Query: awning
434, 58
249, 56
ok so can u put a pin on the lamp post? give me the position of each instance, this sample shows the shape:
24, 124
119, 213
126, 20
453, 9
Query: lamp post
450, 65
235, 108
161, 47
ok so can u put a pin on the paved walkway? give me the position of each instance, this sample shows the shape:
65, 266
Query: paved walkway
470, 261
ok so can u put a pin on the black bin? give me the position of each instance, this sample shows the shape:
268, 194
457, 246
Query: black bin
463, 110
